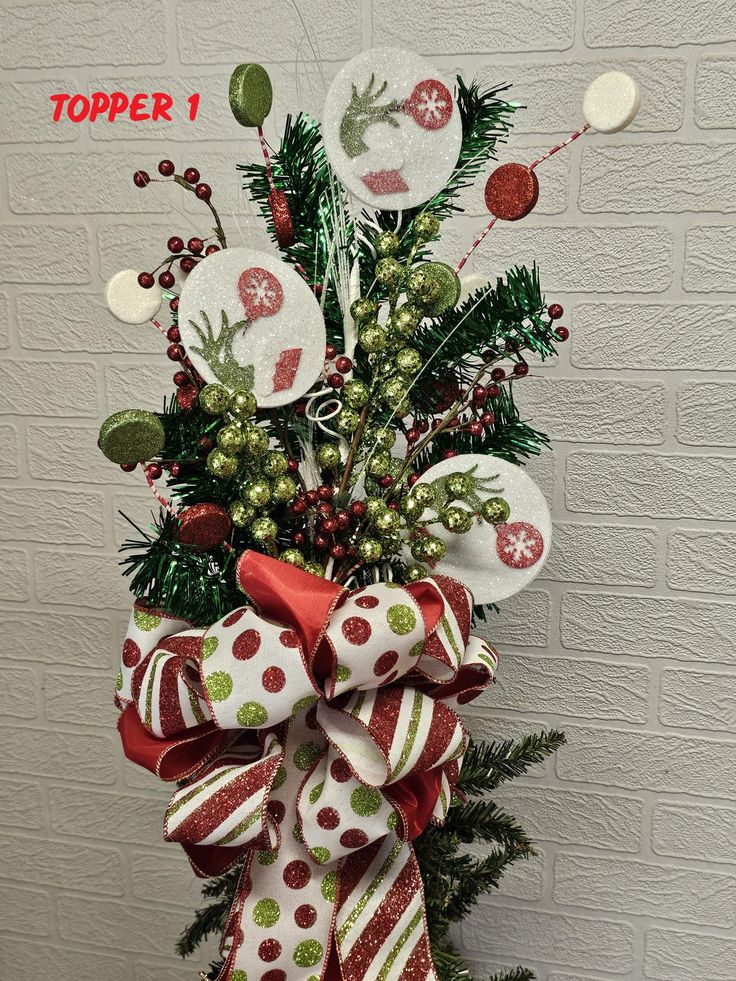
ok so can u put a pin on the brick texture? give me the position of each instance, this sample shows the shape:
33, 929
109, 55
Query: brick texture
627, 639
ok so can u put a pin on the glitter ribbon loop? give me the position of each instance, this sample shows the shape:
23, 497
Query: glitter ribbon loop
316, 735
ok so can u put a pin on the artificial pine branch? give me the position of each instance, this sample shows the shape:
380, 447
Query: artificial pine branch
515, 974
485, 821
487, 765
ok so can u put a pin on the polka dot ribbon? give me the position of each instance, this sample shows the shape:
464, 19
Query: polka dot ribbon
314, 733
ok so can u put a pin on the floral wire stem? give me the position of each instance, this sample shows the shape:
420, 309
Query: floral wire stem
219, 230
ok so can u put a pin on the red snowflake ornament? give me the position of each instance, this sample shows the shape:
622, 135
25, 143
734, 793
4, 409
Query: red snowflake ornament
260, 292
519, 544
430, 104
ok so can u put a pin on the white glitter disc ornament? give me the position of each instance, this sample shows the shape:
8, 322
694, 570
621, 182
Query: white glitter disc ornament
470, 285
247, 320
495, 561
128, 301
391, 128
611, 102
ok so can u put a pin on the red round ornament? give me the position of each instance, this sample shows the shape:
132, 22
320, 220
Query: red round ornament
166, 168
204, 526
166, 279
562, 333
141, 178
430, 104
512, 191
146, 280
175, 244
191, 175
203, 192
519, 544
195, 245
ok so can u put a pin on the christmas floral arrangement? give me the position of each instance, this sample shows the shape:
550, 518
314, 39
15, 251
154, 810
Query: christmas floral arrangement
345, 507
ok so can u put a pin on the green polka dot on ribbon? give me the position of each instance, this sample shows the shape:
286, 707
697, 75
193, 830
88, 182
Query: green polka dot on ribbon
251, 714
145, 620
305, 755
267, 858
238, 976
329, 887
365, 801
266, 912
209, 646
302, 704
316, 792
401, 619
119, 682
219, 686
321, 855
280, 777
343, 672
308, 953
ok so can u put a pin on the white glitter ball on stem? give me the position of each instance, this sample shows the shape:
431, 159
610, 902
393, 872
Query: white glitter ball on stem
611, 102
391, 128
248, 320
128, 301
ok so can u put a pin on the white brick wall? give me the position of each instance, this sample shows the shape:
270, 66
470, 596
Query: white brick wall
627, 642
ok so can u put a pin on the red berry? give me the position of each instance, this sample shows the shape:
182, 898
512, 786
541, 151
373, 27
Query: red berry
343, 519
330, 352
343, 364
494, 391
412, 436
423, 426
449, 454
325, 492
352, 552
299, 538
175, 244
480, 394
181, 378
312, 497
195, 245
191, 175
141, 178
300, 408
175, 469
386, 481
487, 419
394, 505
154, 470
436, 423
203, 192
336, 380
166, 279
292, 465
357, 509
166, 168
413, 478
329, 525
174, 352
146, 280
173, 334
453, 423
555, 311
321, 542
498, 374
563, 333
174, 304
299, 506
475, 428
325, 509
128, 467
205, 443
187, 264
338, 551
521, 369
211, 249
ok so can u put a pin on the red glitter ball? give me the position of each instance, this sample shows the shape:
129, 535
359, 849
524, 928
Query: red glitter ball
175, 244
282, 220
449, 454
247, 644
413, 478
475, 428
385, 663
336, 380
325, 492
187, 263
358, 509
339, 770
343, 364
519, 544
354, 838
191, 175
521, 369
195, 245
204, 526
356, 630
186, 396
203, 192
488, 418
273, 679
563, 333
412, 435
386, 481
269, 950
555, 311
173, 335
166, 167
131, 653
297, 874
146, 280
512, 191
211, 249
141, 178
338, 551
328, 818
305, 917
498, 374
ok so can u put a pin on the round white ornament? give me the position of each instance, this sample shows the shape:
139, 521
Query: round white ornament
128, 301
611, 102
391, 128
247, 320
470, 284
495, 562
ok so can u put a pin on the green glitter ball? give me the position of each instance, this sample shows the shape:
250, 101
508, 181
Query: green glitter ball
412, 508
257, 493
384, 438
241, 514
389, 272
363, 309
495, 510
214, 399
276, 464
391, 543
293, 557
425, 494
387, 521
328, 456
408, 361
222, 464
434, 548
347, 421
283, 489
369, 550
448, 292
459, 485
316, 568
457, 520
418, 283
393, 393
264, 529
379, 464
425, 227
415, 572
250, 94
256, 441
242, 404
387, 243
356, 393
405, 320
131, 435
372, 338
230, 440
374, 506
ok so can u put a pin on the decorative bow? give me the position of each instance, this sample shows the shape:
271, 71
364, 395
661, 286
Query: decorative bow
316, 734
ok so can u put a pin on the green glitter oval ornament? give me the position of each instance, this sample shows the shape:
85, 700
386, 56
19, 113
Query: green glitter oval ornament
449, 288
131, 435
250, 94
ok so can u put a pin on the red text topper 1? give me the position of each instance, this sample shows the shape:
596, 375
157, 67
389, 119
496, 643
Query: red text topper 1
139, 108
